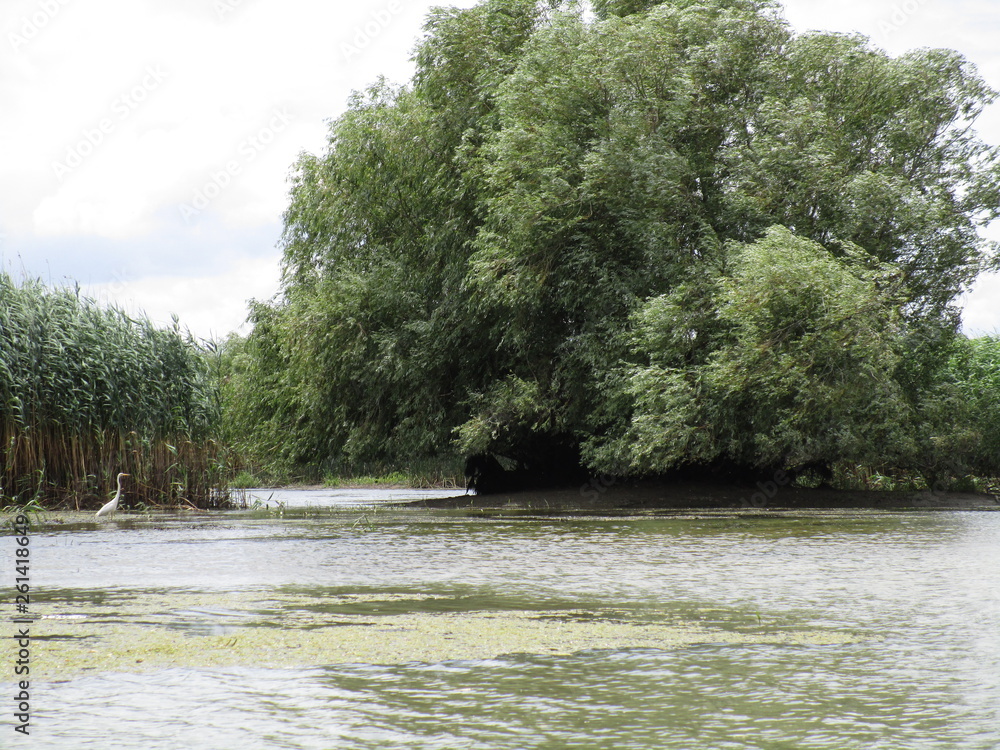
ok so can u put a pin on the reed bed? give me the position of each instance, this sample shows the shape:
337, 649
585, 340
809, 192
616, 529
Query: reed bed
88, 391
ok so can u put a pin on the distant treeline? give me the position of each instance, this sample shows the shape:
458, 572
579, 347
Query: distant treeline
673, 236
87, 392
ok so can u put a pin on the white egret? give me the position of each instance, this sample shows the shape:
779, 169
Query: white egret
110, 508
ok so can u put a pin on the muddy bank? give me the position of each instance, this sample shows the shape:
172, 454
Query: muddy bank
629, 497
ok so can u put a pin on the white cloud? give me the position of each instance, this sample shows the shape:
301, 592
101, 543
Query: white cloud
223, 68
212, 306
981, 304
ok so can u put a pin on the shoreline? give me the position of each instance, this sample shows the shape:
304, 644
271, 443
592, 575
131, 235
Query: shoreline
318, 486
692, 495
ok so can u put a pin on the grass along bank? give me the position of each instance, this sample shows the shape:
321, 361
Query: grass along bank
87, 392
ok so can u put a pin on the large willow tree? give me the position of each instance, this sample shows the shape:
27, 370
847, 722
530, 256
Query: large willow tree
546, 241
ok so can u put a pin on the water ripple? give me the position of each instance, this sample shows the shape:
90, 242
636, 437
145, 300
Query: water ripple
926, 587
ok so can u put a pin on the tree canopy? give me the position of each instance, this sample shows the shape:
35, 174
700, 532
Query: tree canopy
666, 234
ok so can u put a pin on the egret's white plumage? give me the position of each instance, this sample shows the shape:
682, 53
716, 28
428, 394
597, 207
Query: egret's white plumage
110, 508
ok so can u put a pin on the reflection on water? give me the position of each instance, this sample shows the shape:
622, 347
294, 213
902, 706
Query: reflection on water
919, 594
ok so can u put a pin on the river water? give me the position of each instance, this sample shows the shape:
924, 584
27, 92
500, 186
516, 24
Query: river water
332, 620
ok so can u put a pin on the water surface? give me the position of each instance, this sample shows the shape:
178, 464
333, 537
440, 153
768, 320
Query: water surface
347, 623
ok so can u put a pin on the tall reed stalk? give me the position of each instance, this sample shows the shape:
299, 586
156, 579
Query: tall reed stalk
88, 391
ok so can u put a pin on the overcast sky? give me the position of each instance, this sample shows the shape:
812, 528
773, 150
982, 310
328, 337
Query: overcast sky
146, 144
